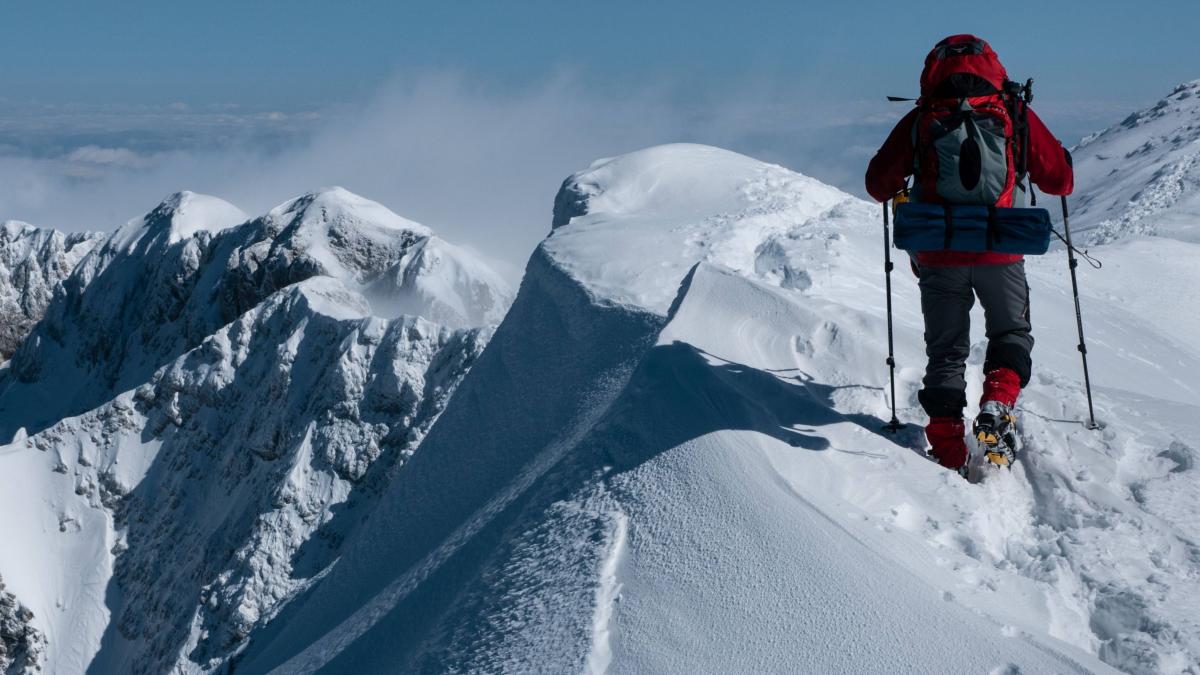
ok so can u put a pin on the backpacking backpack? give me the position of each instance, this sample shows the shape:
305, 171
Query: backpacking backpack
970, 132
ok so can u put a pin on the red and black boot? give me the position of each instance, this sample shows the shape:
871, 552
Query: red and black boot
946, 442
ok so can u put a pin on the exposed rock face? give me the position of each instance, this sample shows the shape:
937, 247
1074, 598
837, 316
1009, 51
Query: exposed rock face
273, 438
215, 403
165, 282
33, 262
22, 646
571, 201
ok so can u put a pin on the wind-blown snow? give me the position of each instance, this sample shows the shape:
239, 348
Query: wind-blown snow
669, 459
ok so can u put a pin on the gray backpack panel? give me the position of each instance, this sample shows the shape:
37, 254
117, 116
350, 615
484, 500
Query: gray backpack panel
972, 157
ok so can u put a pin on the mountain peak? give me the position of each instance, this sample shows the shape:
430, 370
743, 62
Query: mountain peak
677, 180
14, 229
331, 206
614, 219
178, 217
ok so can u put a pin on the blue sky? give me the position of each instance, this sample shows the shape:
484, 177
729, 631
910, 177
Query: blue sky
105, 107
297, 52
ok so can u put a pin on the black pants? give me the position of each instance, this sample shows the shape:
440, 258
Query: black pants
947, 295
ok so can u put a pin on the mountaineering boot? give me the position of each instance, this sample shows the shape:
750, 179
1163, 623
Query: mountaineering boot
945, 436
995, 430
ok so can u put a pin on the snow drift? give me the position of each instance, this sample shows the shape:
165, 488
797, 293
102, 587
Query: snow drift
668, 459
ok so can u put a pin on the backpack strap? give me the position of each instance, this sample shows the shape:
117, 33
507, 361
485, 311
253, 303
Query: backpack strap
1017, 98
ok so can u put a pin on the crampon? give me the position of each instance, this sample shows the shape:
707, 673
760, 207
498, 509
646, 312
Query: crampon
995, 432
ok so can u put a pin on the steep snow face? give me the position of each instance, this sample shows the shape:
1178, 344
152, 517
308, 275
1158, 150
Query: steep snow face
238, 468
1142, 176
163, 283
669, 459
33, 262
158, 529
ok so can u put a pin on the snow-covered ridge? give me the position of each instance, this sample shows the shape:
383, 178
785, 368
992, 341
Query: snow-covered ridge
1142, 176
163, 283
208, 410
33, 262
668, 459
652, 214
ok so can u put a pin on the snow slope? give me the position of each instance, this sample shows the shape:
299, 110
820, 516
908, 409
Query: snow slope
1142, 176
669, 459
33, 262
158, 529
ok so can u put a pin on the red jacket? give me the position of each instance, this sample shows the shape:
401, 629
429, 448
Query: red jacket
1049, 166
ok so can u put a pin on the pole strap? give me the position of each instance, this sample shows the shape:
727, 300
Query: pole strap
1093, 261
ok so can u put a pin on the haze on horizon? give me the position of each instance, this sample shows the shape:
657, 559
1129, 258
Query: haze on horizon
466, 116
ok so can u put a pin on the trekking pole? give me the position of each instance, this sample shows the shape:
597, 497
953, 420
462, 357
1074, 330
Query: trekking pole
894, 425
1082, 347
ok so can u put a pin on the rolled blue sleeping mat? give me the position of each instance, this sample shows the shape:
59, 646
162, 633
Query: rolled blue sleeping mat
946, 227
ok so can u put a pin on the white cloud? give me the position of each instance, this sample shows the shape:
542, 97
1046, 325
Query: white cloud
480, 164
119, 157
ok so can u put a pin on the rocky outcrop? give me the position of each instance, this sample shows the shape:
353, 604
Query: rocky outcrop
33, 263
217, 403
22, 646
